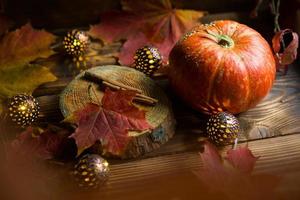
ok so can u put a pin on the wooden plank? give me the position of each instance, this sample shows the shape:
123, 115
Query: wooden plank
170, 176
278, 114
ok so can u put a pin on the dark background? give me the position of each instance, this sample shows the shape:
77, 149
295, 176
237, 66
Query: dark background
64, 14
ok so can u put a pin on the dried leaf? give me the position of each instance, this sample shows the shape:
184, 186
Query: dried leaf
285, 45
214, 174
24, 45
17, 50
110, 123
242, 159
115, 25
23, 79
131, 45
232, 178
34, 142
23, 170
145, 23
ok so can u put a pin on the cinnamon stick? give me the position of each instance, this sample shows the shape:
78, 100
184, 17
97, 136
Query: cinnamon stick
100, 79
139, 97
147, 97
144, 101
111, 85
119, 86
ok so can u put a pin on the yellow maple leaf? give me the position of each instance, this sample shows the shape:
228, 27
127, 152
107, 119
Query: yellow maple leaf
17, 50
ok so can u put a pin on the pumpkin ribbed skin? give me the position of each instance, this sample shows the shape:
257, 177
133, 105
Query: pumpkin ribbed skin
222, 66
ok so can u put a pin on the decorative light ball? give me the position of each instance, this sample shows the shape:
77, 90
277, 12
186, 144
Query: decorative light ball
23, 109
223, 128
147, 60
91, 171
76, 42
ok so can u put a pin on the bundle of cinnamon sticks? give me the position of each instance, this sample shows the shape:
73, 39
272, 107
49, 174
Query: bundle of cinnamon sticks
115, 85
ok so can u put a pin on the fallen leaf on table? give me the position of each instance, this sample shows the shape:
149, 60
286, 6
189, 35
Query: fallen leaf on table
242, 159
232, 178
17, 50
143, 23
108, 123
26, 172
35, 142
285, 45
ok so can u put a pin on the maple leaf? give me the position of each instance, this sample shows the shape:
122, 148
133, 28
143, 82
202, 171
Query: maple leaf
242, 159
17, 50
23, 170
153, 22
115, 25
285, 45
232, 178
23, 45
109, 123
23, 79
43, 144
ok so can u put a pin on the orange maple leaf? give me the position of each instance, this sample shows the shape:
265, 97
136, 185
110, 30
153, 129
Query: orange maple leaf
17, 49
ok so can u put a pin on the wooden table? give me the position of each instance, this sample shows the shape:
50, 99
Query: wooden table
271, 131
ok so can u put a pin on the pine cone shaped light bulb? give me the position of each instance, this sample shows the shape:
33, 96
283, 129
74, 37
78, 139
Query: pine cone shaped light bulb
23, 109
76, 42
223, 128
147, 60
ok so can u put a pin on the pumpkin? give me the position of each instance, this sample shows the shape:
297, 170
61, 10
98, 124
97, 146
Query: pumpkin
222, 66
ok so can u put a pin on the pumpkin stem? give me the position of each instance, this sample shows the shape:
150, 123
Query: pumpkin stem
225, 41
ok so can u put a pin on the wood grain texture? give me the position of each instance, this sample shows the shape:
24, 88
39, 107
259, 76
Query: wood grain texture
170, 176
271, 129
278, 114
81, 91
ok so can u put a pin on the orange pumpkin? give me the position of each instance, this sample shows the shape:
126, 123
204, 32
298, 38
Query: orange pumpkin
222, 66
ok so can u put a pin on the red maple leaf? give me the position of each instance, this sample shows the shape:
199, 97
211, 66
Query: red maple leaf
152, 22
232, 178
109, 123
21, 170
285, 45
34, 142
